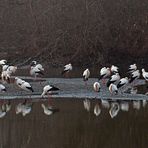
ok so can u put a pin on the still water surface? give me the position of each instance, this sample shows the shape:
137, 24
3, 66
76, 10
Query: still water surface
74, 127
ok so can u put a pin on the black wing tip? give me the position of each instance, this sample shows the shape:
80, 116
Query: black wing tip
54, 88
40, 72
108, 83
132, 79
85, 79
116, 92
4, 90
119, 85
30, 88
101, 77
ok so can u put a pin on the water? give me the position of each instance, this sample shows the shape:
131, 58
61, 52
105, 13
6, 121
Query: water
74, 127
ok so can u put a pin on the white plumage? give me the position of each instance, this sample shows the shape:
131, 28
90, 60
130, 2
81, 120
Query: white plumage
132, 68
23, 84
86, 74
2, 88
104, 73
11, 69
113, 89
114, 69
145, 74
123, 82
114, 78
48, 89
3, 62
36, 69
4, 67
97, 86
7, 71
19, 81
67, 68
5, 76
134, 76
26, 86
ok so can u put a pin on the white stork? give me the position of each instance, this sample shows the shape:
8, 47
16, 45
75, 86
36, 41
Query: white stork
113, 89
67, 69
114, 78
145, 74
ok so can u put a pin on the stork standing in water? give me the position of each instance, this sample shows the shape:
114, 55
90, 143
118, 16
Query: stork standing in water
104, 73
134, 76
67, 69
97, 109
7, 71
86, 75
97, 88
123, 82
11, 69
36, 69
113, 89
23, 84
49, 89
114, 78
86, 102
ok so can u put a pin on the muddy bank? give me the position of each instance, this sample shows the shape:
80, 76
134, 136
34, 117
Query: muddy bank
69, 88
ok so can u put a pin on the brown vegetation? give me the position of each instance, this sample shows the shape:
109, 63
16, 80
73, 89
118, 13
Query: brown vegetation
77, 31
